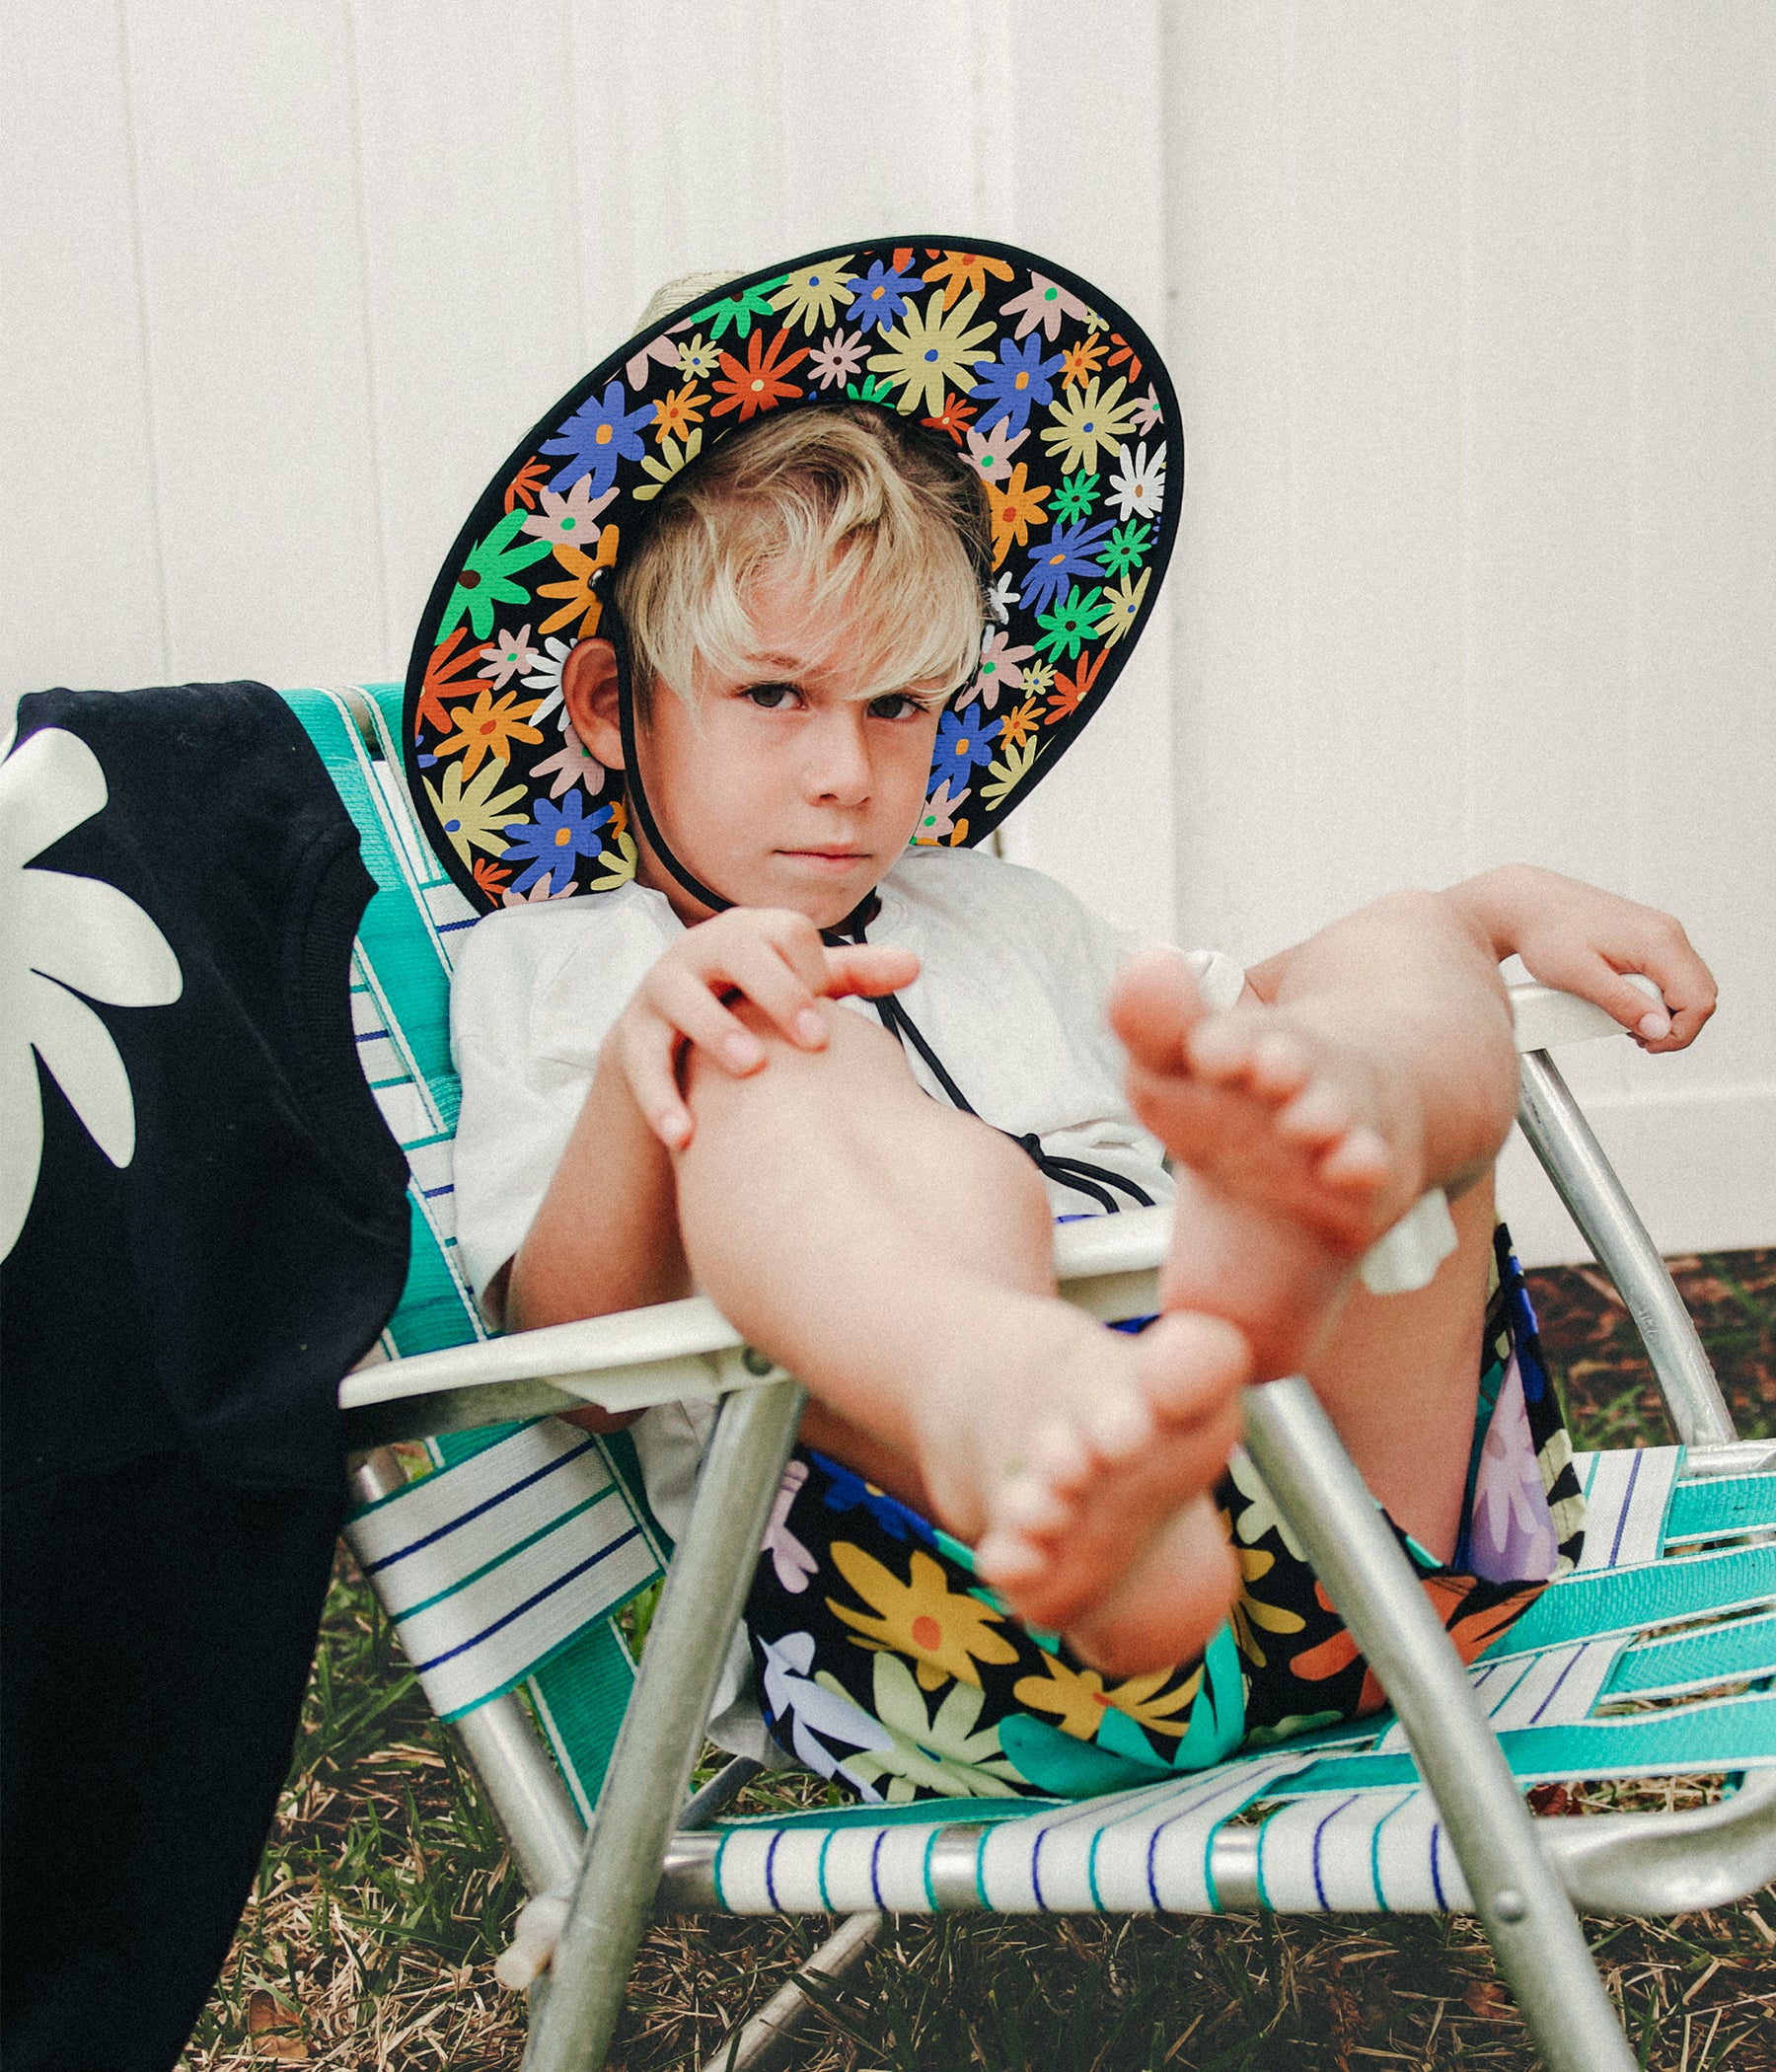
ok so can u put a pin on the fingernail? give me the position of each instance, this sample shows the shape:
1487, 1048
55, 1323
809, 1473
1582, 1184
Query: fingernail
741, 1053
809, 1027
1654, 1025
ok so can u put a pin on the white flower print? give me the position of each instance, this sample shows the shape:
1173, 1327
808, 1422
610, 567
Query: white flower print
792, 1694
1138, 487
942, 1752
791, 1560
62, 937
1260, 1514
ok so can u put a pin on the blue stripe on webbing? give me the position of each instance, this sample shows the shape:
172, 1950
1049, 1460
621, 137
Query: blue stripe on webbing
492, 1503
1719, 1505
1729, 1734
530, 1603
1597, 1602
1692, 1661
405, 1614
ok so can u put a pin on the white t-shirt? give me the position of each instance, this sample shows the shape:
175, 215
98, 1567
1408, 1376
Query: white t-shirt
1013, 976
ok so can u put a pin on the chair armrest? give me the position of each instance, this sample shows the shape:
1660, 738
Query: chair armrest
678, 1352
1546, 1018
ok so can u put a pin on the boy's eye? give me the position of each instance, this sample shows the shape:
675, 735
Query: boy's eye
769, 697
894, 705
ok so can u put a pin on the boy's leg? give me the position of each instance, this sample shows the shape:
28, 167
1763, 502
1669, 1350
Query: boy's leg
897, 1256
1303, 1129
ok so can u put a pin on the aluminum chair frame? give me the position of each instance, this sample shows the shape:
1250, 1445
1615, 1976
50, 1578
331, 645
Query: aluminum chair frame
1525, 1876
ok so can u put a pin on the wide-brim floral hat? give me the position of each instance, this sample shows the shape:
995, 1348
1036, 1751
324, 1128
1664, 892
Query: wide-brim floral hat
1024, 371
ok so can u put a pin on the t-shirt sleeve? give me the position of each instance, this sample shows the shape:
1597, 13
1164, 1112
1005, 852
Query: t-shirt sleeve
535, 992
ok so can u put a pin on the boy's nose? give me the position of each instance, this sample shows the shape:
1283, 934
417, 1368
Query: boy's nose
837, 766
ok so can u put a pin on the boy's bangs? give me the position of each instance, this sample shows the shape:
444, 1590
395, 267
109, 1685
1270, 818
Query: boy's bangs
881, 559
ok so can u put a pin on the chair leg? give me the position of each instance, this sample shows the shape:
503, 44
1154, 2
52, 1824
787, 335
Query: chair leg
662, 1731
1585, 1182
1517, 1896
540, 1822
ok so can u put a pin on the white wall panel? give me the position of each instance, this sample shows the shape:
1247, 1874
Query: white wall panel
1468, 307
468, 131
246, 184
83, 591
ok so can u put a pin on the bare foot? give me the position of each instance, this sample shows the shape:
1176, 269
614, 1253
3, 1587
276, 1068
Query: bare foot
1081, 1451
1293, 1154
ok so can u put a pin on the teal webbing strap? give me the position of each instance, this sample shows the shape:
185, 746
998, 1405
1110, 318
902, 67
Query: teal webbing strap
1731, 1735
1719, 1504
1600, 1601
394, 938
1743, 1648
580, 1695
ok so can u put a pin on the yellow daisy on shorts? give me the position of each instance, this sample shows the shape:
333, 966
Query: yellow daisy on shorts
1249, 1612
1080, 1699
922, 1619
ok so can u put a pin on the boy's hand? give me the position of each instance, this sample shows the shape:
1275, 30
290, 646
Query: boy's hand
772, 958
1572, 935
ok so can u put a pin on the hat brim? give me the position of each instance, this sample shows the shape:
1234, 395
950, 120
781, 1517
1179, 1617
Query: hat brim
1028, 372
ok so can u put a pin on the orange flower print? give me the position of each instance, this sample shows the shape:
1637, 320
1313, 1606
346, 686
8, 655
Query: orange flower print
1078, 362
758, 385
1015, 508
1070, 692
490, 729
1022, 723
523, 487
1474, 1631
678, 410
580, 589
952, 418
489, 876
963, 272
442, 667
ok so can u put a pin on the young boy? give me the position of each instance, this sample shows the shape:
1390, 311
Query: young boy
662, 1092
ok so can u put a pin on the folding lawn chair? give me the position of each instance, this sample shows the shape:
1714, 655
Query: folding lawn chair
505, 1566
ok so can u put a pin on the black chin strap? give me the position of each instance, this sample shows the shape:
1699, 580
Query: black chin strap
1093, 1181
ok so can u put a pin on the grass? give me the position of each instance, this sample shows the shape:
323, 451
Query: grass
385, 1894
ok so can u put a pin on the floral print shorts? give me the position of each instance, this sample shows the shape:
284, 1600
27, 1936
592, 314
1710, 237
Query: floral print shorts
886, 1665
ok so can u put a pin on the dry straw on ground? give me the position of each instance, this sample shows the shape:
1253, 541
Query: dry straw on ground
385, 1894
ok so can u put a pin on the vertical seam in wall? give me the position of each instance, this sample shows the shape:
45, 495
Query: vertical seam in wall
576, 217
395, 650
139, 257
1301, 920
1637, 399
1471, 787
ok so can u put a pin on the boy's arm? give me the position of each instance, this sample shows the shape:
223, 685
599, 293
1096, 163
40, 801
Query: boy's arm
1582, 939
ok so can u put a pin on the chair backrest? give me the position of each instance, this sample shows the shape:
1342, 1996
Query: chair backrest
482, 1605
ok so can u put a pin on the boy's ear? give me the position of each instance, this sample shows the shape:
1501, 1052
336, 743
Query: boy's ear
589, 691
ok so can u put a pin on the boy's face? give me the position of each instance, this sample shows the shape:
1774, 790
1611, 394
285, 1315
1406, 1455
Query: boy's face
786, 790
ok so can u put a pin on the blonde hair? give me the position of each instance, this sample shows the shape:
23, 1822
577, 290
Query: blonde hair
880, 522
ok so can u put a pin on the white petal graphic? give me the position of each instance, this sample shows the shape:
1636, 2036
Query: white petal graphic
49, 786
54, 925
21, 1113
91, 936
83, 1061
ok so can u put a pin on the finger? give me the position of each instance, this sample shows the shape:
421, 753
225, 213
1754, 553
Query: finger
1687, 989
759, 969
684, 1000
868, 970
648, 1047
